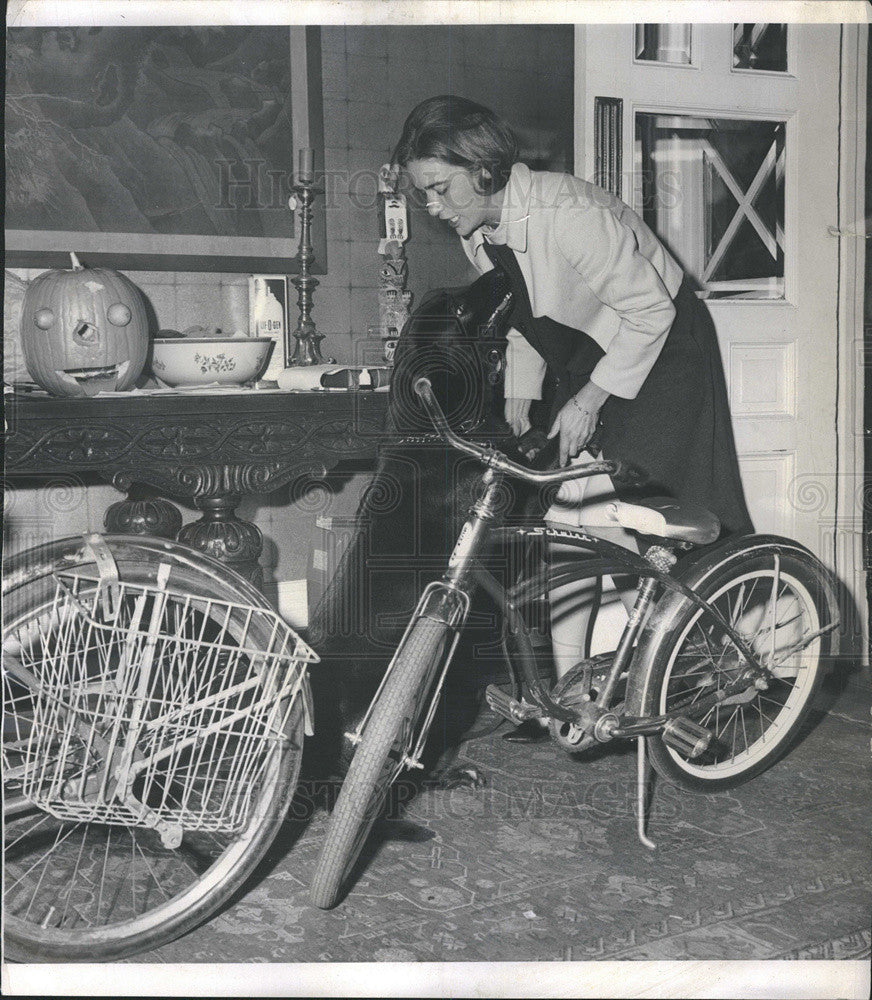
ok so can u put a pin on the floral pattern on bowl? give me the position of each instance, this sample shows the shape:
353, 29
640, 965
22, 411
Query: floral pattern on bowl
215, 363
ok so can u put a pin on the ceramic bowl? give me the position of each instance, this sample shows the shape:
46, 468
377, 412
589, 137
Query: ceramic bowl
192, 361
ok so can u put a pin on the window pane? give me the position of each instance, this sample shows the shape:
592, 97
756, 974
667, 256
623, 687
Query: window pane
713, 190
663, 43
760, 46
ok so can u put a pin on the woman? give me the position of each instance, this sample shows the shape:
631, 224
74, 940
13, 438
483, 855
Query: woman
604, 319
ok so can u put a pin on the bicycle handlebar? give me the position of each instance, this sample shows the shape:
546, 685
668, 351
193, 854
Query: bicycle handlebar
494, 459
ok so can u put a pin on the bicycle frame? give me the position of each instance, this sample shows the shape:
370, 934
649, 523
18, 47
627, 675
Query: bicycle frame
448, 601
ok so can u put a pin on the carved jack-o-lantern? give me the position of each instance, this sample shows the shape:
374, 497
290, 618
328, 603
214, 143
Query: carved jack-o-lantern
83, 331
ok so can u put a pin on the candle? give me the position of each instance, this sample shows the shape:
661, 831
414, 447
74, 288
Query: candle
307, 164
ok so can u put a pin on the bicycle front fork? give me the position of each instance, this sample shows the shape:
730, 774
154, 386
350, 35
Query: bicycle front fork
447, 601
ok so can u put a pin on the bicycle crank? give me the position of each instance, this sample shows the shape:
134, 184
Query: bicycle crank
681, 734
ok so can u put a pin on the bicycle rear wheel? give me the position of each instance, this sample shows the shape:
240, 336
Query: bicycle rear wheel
379, 759
88, 883
778, 597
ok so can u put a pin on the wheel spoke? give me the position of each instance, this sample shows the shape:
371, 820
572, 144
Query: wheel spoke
729, 722
776, 579
712, 711
759, 703
778, 705
744, 730
153, 873
103, 873
738, 606
72, 880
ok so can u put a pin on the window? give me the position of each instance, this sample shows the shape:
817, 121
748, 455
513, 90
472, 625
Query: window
713, 190
760, 47
663, 43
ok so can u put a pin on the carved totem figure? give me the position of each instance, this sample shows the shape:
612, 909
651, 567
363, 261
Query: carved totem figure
394, 299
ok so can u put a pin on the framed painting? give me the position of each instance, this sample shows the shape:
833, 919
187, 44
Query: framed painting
161, 147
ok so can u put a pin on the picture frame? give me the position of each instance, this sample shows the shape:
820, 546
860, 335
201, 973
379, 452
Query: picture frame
167, 147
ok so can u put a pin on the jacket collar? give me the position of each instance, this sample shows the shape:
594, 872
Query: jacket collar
512, 227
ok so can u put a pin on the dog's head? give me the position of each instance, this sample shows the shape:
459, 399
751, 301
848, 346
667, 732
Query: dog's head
456, 338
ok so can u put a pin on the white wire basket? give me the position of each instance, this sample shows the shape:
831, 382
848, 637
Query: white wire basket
139, 706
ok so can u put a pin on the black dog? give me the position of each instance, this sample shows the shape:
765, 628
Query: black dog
410, 516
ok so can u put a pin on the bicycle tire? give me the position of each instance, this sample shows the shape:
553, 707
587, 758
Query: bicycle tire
377, 760
210, 867
689, 654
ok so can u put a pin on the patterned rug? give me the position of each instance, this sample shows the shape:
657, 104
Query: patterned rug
542, 864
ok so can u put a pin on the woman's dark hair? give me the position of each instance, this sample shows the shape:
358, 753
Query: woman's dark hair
462, 133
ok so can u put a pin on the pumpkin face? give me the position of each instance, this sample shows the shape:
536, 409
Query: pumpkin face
84, 331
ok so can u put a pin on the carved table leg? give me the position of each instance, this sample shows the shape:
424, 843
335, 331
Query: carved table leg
224, 536
142, 513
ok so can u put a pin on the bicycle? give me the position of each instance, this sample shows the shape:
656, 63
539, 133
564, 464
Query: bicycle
154, 713
713, 675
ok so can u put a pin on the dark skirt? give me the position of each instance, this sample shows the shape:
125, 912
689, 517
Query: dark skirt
677, 430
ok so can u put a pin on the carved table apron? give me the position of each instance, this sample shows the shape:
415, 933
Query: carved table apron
210, 449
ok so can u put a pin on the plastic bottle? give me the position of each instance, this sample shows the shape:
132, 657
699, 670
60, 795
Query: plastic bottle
268, 320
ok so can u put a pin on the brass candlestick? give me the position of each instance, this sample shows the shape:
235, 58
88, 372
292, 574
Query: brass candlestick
306, 349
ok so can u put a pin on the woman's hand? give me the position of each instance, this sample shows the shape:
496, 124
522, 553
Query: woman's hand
577, 421
517, 412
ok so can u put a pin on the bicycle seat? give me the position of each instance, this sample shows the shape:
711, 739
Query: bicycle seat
666, 518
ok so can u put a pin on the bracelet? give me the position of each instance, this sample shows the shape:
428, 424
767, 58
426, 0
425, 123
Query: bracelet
585, 413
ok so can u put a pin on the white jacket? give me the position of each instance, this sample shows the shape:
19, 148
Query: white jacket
589, 262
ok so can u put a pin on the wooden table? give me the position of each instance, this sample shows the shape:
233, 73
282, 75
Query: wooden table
210, 449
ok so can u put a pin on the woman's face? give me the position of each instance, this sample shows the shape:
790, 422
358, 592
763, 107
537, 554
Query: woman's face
452, 195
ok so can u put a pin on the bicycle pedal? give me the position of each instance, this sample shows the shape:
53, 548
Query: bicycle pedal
508, 707
688, 738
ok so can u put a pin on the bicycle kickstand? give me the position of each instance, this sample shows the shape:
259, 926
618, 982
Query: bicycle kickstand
641, 786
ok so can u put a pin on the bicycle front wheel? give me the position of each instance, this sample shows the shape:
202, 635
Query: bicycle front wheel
778, 598
86, 880
379, 758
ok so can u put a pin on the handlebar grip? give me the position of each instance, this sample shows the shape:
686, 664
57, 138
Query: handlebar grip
424, 388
